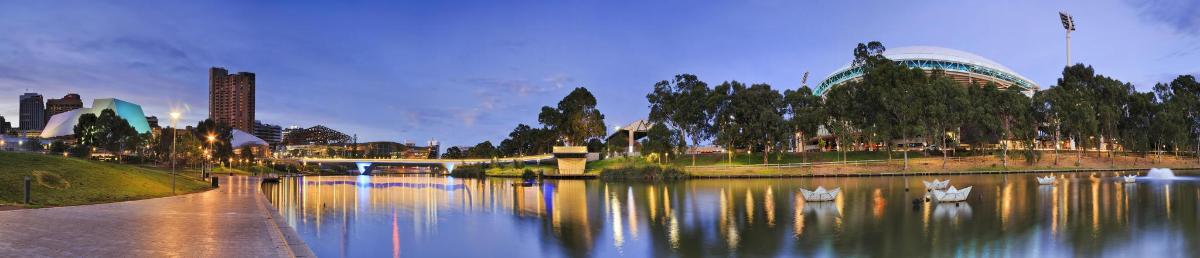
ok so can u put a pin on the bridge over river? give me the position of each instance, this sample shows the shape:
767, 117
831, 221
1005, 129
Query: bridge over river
365, 166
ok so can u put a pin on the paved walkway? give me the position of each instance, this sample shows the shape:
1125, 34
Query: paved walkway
231, 221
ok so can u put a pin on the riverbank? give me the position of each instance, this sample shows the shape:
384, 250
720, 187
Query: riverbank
1068, 162
234, 220
64, 181
867, 164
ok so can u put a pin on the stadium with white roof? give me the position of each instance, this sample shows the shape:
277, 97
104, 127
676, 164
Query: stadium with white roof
963, 67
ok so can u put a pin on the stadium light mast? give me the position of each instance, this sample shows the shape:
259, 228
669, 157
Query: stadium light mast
1068, 24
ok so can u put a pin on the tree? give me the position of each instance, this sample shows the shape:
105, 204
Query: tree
944, 101
58, 147
661, 139
32, 144
727, 126
222, 135
576, 118
1011, 111
1137, 122
751, 116
839, 106
595, 145
762, 110
483, 150
1181, 98
1076, 107
806, 114
453, 153
1046, 116
683, 103
247, 153
107, 131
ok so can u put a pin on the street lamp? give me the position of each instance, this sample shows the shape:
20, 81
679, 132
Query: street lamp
212, 152
1068, 24
174, 133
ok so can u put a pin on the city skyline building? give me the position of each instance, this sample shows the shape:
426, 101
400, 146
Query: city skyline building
270, 133
32, 112
69, 102
4, 126
231, 98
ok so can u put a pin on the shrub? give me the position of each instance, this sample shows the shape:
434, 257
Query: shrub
647, 173
467, 172
80, 151
528, 175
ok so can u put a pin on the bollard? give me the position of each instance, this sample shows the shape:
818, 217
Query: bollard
27, 186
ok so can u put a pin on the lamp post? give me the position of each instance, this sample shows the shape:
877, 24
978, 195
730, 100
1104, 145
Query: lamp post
211, 152
174, 133
1068, 24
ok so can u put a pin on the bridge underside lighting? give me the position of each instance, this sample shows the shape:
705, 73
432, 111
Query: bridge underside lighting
363, 167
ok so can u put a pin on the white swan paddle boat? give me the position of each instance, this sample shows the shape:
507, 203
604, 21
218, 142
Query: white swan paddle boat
1048, 180
1130, 178
936, 185
820, 195
950, 195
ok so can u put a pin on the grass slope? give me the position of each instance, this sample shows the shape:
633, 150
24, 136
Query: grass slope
62, 181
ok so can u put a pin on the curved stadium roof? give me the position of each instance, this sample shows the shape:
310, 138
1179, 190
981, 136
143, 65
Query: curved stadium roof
929, 57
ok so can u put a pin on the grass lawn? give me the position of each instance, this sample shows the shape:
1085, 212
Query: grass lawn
62, 181
784, 158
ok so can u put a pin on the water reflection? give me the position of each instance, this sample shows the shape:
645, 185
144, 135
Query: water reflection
1010, 215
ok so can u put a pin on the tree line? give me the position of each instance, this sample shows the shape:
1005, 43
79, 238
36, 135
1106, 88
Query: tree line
892, 102
574, 121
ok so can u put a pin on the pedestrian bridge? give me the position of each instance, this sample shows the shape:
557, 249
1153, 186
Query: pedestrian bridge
366, 165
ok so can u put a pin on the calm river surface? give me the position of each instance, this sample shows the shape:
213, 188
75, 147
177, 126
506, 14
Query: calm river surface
1084, 214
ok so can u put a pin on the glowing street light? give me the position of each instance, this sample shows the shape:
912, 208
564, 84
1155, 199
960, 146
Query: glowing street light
211, 138
174, 131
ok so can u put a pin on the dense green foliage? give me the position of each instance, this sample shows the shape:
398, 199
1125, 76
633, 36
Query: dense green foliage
575, 119
649, 173
893, 105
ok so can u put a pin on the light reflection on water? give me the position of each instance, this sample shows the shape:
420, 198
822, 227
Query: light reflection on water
1089, 214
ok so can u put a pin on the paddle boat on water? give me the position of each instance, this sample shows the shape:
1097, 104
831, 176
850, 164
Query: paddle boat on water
936, 185
950, 195
1047, 180
820, 195
1130, 178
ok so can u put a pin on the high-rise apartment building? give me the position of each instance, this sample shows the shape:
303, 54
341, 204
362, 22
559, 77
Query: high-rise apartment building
272, 134
231, 98
66, 103
33, 112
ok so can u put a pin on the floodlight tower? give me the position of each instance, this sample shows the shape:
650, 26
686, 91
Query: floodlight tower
1068, 23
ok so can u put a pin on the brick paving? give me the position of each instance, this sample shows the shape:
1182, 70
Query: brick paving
231, 221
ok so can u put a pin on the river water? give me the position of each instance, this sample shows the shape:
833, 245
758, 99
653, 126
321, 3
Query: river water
1083, 214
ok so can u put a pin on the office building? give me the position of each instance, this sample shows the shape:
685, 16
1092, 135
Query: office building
66, 103
270, 133
33, 112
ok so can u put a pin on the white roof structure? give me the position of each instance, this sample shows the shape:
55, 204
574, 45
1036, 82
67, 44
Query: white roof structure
63, 124
241, 138
639, 126
930, 57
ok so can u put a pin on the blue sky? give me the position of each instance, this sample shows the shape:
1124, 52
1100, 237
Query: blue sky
463, 72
